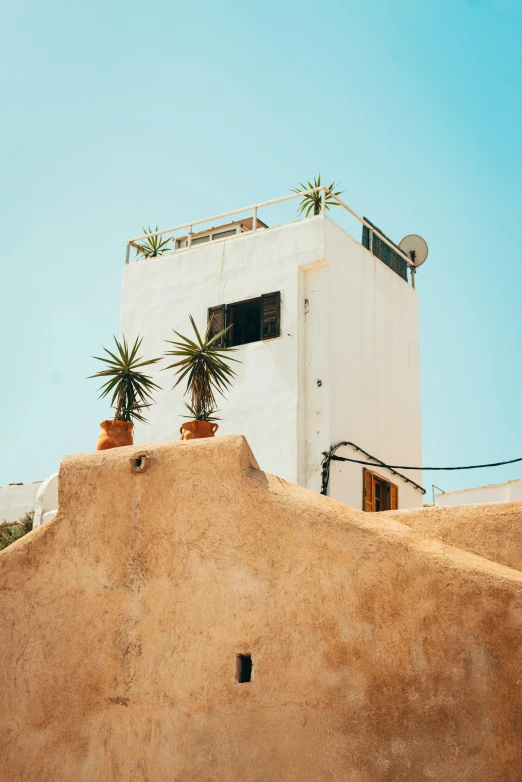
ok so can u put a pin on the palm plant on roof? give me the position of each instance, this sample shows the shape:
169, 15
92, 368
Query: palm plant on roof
151, 246
312, 201
131, 391
205, 366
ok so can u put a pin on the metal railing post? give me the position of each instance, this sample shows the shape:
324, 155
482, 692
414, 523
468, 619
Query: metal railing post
189, 237
323, 203
127, 254
370, 240
254, 219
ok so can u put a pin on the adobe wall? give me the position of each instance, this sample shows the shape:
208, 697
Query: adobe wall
378, 653
493, 530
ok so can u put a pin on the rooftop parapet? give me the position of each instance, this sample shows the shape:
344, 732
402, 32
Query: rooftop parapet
184, 238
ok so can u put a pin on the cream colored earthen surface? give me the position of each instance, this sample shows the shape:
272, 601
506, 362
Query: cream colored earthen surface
493, 530
378, 652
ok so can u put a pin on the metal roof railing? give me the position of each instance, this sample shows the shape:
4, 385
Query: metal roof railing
254, 209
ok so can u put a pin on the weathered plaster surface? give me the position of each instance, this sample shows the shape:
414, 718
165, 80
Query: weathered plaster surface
378, 652
493, 530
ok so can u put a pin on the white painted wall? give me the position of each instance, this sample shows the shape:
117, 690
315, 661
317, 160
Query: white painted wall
315, 387
500, 492
375, 373
357, 335
16, 501
46, 504
158, 295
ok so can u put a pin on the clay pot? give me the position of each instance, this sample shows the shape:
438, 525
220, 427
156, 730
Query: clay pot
194, 430
115, 434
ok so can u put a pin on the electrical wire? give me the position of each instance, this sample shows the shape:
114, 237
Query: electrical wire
331, 456
403, 467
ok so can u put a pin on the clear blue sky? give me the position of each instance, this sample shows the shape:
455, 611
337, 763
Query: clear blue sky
118, 114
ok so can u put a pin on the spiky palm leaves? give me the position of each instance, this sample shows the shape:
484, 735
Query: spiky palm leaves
131, 389
312, 201
152, 245
205, 365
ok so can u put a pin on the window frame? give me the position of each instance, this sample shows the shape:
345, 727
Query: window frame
267, 323
391, 494
206, 237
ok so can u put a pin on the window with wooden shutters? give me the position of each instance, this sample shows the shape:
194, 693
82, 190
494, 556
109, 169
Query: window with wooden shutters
368, 491
270, 315
394, 497
216, 317
251, 320
378, 493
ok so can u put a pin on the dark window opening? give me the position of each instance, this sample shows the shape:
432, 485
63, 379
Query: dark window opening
200, 240
245, 318
249, 321
244, 668
378, 498
224, 234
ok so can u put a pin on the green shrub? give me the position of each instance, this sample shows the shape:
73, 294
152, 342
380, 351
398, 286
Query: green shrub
15, 530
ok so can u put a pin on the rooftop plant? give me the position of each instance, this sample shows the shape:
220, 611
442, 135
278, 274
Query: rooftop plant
152, 245
312, 201
131, 389
205, 366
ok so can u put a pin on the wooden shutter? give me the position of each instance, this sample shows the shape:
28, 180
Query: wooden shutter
216, 316
394, 497
270, 315
367, 490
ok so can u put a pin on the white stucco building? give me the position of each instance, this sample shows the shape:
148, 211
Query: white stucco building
18, 499
495, 492
334, 354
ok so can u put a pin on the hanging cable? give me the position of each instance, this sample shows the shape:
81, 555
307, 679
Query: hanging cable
330, 456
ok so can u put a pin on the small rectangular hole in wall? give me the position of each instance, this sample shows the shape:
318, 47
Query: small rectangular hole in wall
244, 668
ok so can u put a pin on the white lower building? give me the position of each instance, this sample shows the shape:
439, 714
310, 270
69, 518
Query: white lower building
19, 499
496, 492
16, 500
327, 337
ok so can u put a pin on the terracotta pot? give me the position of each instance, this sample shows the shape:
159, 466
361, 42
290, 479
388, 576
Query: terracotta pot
115, 434
194, 430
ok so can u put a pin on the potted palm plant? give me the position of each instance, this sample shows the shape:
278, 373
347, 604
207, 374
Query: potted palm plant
205, 365
131, 392
312, 201
152, 246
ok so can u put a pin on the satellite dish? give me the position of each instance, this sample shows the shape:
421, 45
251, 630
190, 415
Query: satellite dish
415, 248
